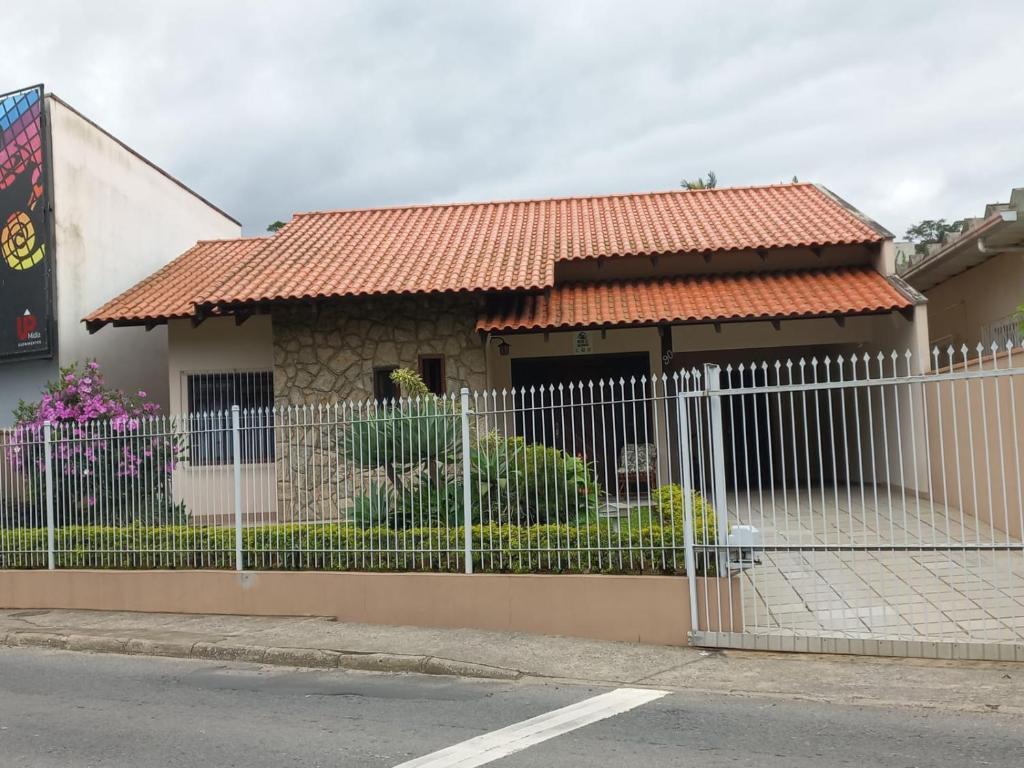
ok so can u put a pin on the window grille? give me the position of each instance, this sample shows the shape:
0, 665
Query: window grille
211, 396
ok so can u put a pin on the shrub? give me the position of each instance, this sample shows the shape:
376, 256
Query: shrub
510, 482
418, 445
594, 547
411, 440
373, 508
107, 455
393, 435
668, 501
531, 483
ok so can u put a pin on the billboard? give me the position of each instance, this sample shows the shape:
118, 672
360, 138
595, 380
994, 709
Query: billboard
26, 240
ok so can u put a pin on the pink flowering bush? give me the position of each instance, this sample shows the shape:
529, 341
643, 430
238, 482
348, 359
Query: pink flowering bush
112, 458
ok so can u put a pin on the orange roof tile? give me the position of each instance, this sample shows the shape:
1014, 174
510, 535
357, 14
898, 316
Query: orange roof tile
172, 291
515, 245
705, 298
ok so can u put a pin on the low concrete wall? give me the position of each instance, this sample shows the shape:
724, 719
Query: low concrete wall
646, 609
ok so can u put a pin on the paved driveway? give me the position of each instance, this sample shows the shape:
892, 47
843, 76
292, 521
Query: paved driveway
932, 588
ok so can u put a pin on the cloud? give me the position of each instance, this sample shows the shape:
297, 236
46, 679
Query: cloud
906, 109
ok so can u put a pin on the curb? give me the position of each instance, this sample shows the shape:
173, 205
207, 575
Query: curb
313, 658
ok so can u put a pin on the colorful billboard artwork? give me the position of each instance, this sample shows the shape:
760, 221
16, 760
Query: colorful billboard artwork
25, 309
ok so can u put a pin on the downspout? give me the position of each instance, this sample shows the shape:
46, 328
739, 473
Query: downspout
992, 250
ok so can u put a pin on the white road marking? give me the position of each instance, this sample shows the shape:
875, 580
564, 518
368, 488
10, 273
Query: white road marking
497, 744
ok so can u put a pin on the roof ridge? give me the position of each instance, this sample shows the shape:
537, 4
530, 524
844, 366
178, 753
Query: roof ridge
231, 239
555, 199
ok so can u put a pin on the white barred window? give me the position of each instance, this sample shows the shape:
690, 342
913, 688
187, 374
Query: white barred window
211, 396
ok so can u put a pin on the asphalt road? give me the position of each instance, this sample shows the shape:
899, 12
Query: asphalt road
71, 710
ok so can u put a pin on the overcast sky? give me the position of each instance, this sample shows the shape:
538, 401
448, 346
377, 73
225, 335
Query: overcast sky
909, 110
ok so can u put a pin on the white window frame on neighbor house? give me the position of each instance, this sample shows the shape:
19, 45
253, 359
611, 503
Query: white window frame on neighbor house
1003, 330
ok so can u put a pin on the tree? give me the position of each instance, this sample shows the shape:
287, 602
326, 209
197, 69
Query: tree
930, 231
700, 183
275, 226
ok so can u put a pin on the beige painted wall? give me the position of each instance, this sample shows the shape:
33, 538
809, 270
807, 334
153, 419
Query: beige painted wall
562, 344
976, 442
218, 345
961, 307
645, 609
863, 333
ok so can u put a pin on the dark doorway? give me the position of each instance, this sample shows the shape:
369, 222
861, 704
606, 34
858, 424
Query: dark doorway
595, 422
746, 431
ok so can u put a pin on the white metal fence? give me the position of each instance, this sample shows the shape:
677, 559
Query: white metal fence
553, 479
835, 497
868, 508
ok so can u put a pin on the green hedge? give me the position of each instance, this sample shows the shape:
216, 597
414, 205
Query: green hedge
597, 548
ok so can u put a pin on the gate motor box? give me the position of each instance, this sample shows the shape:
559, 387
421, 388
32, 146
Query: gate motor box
744, 546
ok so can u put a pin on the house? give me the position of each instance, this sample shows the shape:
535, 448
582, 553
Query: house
83, 217
974, 280
498, 295
493, 296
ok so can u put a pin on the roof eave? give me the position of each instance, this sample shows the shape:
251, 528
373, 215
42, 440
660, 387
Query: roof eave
92, 325
921, 274
884, 233
652, 323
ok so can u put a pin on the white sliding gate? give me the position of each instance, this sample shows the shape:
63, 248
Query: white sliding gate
862, 506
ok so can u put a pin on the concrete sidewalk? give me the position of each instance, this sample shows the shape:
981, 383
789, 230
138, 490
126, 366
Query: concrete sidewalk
319, 642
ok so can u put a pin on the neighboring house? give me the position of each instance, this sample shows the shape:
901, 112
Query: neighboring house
974, 280
83, 218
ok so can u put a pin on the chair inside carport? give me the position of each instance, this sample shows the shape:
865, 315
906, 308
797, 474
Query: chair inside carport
637, 467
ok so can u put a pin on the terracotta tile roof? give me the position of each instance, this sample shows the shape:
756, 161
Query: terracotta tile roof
172, 291
515, 245
767, 295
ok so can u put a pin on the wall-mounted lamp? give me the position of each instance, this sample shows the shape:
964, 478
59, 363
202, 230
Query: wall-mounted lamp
503, 346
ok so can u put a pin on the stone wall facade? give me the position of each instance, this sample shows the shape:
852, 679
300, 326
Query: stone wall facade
330, 356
